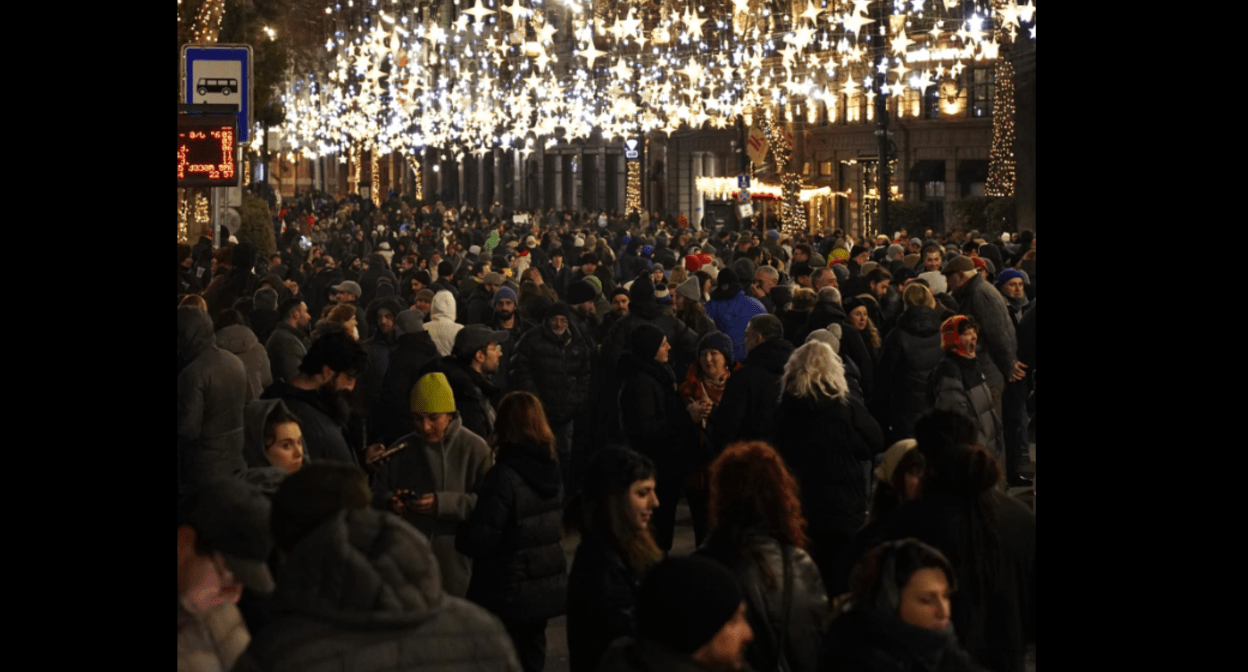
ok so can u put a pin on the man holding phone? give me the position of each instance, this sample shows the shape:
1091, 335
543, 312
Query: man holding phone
432, 483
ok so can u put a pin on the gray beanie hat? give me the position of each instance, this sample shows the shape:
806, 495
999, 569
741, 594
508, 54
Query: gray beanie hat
409, 322
265, 298
690, 289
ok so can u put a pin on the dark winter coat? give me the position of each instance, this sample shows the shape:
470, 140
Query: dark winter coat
368, 279
384, 610
852, 345
263, 322
793, 322
212, 388
519, 570
615, 344
323, 437
602, 599
555, 368
286, 348
998, 343
479, 308
628, 654
472, 394
867, 640
910, 353
502, 377
751, 396
995, 621
825, 441
317, 291
958, 384
241, 341
753, 555
654, 417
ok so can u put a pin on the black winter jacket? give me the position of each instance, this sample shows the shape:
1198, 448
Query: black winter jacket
756, 558
654, 417
866, 640
555, 368
479, 308
994, 617
852, 345
751, 396
411, 354
602, 598
824, 441
910, 353
519, 569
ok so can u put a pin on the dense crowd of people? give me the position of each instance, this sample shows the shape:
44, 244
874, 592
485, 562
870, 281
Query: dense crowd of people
389, 428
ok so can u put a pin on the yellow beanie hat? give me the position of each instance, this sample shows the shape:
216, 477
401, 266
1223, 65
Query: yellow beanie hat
432, 394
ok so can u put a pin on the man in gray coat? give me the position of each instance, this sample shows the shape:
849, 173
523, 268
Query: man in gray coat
289, 343
212, 388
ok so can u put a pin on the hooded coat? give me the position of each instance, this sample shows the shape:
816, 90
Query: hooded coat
323, 436
910, 353
479, 307
384, 610
317, 291
513, 535
260, 469
212, 388
751, 396
864, 639
824, 441
454, 470
441, 325
241, 341
379, 348
238, 282
555, 368
285, 349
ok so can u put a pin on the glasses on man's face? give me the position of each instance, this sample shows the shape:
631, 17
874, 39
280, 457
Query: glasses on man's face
559, 321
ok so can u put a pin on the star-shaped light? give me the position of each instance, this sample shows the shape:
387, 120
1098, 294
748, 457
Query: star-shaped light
516, 11
1008, 13
860, 6
957, 69
800, 37
628, 27
480, 11
545, 34
790, 56
740, 6
693, 24
461, 24
900, 42
436, 35
855, 22
591, 54
693, 71
812, 12
1026, 12
622, 72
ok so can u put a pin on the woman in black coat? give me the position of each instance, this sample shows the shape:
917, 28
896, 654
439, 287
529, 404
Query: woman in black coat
828, 438
759, 535
656, 422
911, 351
519, 569
615, 552
898, 618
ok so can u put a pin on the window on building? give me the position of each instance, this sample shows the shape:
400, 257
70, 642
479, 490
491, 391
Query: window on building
982, 89
931, 103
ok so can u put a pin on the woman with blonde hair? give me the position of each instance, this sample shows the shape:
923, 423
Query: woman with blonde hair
514, 532
759, 535
828, 438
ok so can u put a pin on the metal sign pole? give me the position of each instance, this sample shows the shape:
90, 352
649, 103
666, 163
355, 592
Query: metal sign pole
212, 217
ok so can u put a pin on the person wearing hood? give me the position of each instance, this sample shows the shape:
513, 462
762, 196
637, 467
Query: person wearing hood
212, 388
273, 444
643, 309
264, 317
898, 616
320, 395
381, 313
553, 362
373, 617
657, 422
513, 534
433, 480
731, 310
910, 353
958, 383
828, 439
377, 269
234, 336
413, 350
442, 326
752, 393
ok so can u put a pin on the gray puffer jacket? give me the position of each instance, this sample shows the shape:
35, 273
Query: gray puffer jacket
997, 339
212, 388
241, 341
958, 384
363, 593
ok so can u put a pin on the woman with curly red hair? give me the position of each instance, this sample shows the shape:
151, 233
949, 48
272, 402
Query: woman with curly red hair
759, 534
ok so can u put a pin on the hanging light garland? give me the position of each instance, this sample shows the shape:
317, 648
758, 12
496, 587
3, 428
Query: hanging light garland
376, 181
632, 187
1001, 158
414, 162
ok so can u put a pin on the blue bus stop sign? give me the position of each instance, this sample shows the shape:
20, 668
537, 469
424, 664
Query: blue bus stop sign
219, 75
743, 181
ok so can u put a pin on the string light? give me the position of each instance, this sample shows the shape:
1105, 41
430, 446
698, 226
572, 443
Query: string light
376, 182
414, 162
632, 187
1001, 158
